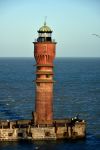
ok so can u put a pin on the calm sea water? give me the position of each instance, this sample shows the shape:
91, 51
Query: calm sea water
76, 91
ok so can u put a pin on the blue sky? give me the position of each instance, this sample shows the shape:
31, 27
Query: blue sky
73, 22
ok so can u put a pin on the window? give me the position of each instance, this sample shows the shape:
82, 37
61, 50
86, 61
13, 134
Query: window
20, 134
47, 133
65, 134
38, 76
10, 134
38, 84
47, 76
30, 134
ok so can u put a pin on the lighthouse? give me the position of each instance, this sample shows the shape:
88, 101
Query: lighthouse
43, 126
44, 53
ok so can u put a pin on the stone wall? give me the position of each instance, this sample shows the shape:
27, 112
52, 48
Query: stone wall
24, 130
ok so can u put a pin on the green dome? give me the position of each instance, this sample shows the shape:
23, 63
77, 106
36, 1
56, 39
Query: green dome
45, 28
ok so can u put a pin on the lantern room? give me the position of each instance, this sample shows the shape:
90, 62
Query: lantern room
44, 34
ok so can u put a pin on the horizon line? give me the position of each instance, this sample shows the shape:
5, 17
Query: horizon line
55, 57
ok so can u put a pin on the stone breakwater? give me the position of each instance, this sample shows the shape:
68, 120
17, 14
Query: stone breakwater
27, 130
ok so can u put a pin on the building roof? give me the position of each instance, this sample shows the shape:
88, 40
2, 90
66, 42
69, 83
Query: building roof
44, 29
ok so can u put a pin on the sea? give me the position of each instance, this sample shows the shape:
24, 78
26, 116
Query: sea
76, 92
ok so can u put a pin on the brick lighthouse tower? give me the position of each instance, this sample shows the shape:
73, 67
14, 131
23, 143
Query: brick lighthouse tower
44, 53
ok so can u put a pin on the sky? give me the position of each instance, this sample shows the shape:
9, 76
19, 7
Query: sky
74, 24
